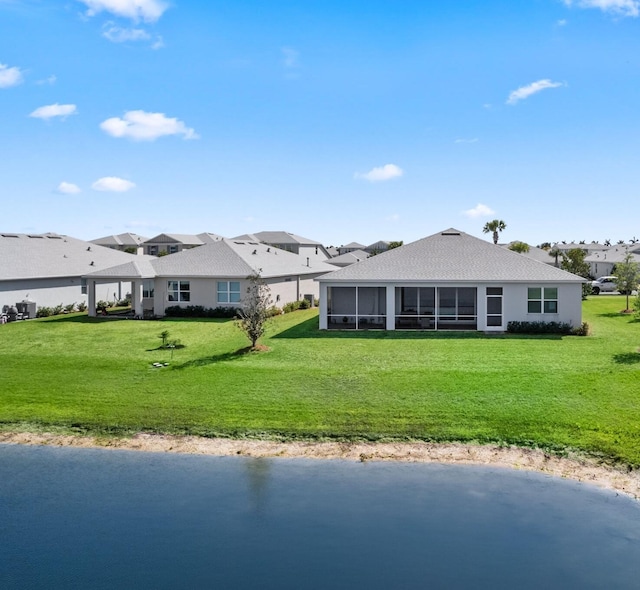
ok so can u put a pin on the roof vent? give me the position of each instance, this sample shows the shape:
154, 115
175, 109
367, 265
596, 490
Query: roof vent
451, 232
254, 252
92, 264
268, 249
88, 248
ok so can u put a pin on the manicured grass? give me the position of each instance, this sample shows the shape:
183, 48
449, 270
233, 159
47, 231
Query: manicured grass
96, 375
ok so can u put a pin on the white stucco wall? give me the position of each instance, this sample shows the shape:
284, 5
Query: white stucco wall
52, 292
204, 291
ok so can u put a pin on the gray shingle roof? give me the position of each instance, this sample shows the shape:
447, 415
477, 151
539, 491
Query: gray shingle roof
349, 258
187, 239
126, 239
451, 255
224, 258
278, 237
29, 256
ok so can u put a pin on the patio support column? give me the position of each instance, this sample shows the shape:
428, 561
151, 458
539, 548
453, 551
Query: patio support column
324, 302
136, 298
91, 292
391, 307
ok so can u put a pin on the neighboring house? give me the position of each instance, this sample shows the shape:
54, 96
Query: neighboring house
537, 254
172, 243
349, 258
213, 275
289, 242
601, 263
450, 281
588, 248
47, 269
377, 247
123, 242
352, 247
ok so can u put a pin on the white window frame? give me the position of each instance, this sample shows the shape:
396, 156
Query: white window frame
178, 291
227, 293
548, 300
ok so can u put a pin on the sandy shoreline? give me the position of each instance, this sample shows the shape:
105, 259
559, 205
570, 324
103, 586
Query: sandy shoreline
576, 468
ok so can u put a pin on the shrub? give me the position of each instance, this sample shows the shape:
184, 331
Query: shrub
582, 330
199, 311
540, 328
305, 304
126, 302
82, 306
69, 308
274, 311
57, 310
43, 312
102, 305
291, 306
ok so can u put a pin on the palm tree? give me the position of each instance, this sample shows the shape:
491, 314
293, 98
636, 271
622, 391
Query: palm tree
495, 226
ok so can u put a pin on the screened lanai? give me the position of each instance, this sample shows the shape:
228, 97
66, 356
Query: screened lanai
414, 308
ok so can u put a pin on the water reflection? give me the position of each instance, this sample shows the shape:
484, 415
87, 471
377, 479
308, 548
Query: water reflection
78, 518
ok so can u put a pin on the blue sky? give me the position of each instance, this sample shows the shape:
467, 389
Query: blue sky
339, 121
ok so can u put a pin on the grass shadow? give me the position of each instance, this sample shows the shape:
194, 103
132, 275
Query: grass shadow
627, 358
216, 358
167, 348
309, 330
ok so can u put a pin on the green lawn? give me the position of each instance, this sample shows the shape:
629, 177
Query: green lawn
95, 375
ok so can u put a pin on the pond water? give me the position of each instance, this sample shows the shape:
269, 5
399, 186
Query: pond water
91, 518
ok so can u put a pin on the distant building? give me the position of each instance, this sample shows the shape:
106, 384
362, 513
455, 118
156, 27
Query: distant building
173, 243
289, 242
127, 242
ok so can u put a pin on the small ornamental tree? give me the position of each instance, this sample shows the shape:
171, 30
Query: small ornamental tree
627, 276
573, 262
254, 313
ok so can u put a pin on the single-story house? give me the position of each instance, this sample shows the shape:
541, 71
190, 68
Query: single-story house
448, 281
47, 269
213, 275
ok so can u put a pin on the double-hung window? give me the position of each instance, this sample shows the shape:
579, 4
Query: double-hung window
228, 291
178, 291
542, 300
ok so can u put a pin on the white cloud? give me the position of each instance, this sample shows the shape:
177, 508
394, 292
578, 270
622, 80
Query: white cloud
619, 7
386, 172
472, 140
117, 34
112, 184
533, 88
10, 76
393, 218
136, 10
68, 188
479, 210
51, 80
143, 126
561, 23
290, 57
54, 110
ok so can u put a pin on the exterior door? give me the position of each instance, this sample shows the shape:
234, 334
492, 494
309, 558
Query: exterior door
495, 318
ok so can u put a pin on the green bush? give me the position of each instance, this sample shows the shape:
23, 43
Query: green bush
199, 311
305, 304
291, 306
43, 312
540, 328
102, 305
57, 310
70, 307
273, 311
82, 306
